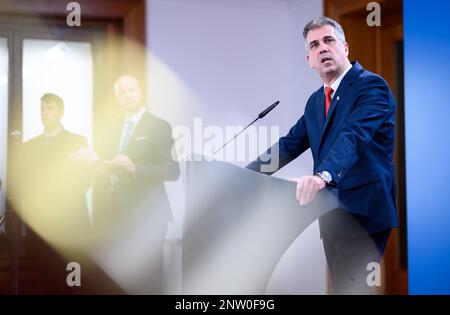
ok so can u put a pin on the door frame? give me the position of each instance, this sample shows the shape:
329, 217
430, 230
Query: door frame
123, 25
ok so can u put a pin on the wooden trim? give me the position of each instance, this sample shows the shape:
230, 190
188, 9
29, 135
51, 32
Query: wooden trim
343, 7
123, 18
108, 9
134, 27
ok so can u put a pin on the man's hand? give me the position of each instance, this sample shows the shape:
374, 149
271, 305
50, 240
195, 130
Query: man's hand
124, 161
307, 188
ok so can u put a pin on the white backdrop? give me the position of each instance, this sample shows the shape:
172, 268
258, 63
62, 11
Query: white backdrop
224, 61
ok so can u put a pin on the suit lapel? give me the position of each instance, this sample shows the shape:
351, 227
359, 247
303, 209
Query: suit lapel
321, 108
336, 99
139, 131
141, 127
339, 97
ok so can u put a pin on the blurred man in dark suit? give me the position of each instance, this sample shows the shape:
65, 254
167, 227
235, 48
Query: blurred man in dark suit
53, 187
138, 160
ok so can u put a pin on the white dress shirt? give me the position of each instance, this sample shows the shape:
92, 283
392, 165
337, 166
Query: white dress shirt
337, 82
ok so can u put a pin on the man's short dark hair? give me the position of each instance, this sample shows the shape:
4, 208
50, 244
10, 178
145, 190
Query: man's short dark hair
322, 21
53, 98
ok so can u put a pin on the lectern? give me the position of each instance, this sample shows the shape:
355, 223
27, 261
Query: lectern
238, 224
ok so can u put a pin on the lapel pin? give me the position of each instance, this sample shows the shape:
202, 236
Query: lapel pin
337, 98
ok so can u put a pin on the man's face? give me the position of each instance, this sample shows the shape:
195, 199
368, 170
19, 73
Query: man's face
326, 53
128, 93
51, 114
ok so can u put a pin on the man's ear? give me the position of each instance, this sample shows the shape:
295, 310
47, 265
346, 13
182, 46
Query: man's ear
347, 51
309, 63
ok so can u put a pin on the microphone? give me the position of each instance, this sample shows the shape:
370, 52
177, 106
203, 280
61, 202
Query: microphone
267, 110
260, 115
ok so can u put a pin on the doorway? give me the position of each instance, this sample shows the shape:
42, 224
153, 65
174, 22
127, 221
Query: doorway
40, 53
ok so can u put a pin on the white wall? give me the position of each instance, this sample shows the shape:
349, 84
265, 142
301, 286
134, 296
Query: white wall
225, 61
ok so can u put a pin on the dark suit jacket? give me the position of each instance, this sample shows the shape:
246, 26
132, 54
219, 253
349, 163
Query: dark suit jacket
53, 186
150, 149
354, 143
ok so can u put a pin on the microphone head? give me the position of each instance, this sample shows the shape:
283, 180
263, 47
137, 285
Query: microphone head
268, 109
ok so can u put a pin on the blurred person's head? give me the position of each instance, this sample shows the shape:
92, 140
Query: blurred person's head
128, 93
52, 110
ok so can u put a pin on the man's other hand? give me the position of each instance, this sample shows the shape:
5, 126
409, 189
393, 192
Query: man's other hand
124, 161
307, 188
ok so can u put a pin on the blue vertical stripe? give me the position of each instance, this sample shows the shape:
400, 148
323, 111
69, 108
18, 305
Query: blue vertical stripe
427, 144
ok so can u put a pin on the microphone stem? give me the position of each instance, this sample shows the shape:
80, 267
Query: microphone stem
235, 136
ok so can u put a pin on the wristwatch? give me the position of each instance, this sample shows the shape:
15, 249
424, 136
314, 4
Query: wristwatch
326, 176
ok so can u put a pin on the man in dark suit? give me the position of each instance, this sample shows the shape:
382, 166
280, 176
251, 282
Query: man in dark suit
138, 160
53, 187
349, 125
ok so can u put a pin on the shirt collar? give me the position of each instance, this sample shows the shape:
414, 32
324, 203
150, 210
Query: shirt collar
337, 82
136, 117
53, 134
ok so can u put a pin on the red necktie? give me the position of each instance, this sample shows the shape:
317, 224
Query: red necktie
328, 92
